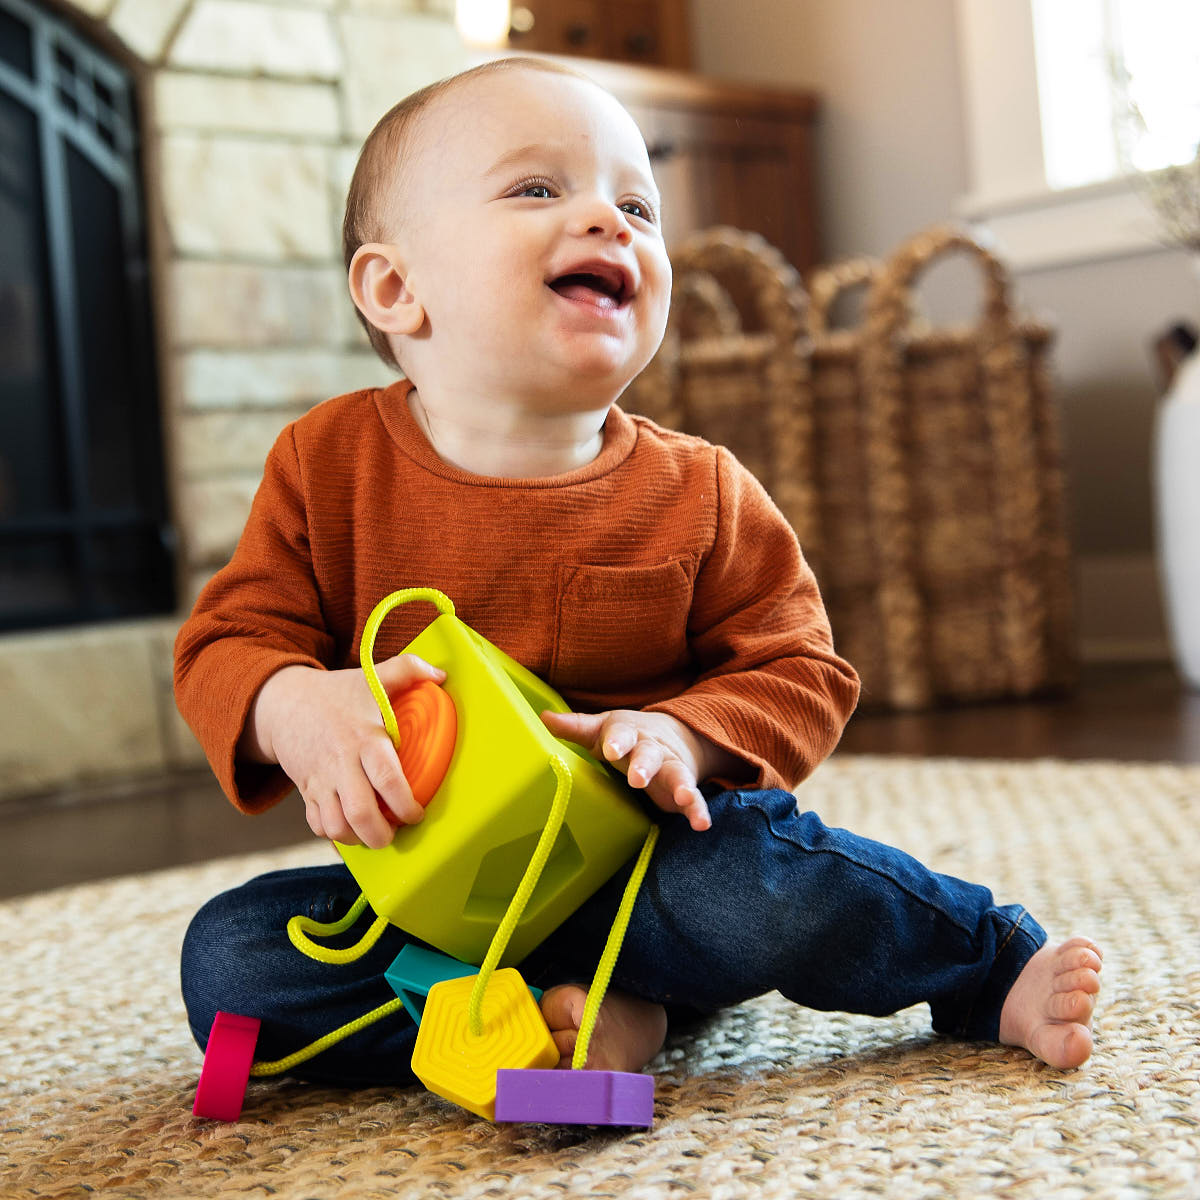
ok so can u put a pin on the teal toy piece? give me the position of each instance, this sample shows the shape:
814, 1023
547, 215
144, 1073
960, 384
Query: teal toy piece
415, 970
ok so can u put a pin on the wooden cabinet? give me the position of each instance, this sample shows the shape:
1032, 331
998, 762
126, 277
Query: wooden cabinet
636, 31
725, 154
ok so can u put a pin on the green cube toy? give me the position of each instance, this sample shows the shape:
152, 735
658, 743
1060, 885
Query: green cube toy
450, 879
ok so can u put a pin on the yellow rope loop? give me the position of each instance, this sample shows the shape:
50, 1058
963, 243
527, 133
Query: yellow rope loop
279, 1065
612, 948
366, 651
506, 928
300, 926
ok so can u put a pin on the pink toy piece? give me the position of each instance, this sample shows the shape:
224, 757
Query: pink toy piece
559, 1097
226, 1070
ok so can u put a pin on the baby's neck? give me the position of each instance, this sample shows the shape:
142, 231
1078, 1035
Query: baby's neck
501, 444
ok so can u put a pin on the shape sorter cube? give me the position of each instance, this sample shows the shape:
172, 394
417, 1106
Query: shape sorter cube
449, 880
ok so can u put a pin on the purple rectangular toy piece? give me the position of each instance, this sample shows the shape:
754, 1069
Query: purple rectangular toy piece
575, 1097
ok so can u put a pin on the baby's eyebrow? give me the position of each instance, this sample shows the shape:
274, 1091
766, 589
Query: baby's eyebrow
512, 158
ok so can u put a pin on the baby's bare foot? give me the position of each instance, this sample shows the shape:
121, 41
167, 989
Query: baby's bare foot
1049, 1010
629, 1031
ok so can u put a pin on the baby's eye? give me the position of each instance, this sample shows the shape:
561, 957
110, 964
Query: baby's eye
535, 189
638, 208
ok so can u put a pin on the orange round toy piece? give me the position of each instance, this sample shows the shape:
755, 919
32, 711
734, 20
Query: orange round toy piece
428, 725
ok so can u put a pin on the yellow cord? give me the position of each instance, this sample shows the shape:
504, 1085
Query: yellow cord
529, 881
612, 948
300, 926
323, 1043
366, 649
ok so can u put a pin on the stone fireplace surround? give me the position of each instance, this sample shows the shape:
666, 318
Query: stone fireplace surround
251, 113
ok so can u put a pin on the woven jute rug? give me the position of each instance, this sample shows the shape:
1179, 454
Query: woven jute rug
766, 1100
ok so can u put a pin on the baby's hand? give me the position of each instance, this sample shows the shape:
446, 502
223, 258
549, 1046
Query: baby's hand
325, 730
656, 752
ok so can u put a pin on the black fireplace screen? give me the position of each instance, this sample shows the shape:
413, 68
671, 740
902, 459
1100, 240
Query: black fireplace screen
83, 530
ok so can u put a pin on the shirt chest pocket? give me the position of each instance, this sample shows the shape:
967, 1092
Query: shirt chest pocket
621, 628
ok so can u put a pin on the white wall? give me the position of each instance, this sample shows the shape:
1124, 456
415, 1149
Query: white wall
896, 155
891, 141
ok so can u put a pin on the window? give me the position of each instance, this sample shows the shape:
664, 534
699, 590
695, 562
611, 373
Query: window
83, 535
1118, 84
1046, 180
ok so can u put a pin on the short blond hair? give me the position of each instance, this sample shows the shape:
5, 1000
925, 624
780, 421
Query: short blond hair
381, 163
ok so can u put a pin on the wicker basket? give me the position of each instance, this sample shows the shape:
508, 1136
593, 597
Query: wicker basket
919, 466
964, 493
729, 369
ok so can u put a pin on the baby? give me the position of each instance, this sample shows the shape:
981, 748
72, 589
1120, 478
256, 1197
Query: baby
504, 250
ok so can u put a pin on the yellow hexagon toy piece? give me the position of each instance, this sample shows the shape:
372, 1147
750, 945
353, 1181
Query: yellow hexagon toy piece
449, 1060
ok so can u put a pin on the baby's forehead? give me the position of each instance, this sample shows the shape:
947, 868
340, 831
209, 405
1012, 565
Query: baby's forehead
558, 103
521, 79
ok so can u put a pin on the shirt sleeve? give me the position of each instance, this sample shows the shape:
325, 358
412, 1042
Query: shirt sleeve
770, 690
259, 613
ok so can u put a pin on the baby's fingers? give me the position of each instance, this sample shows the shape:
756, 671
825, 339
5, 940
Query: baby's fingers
619, 738
312, 814
403, 670
644, 763
386, 777
692, 805
327, 819
583, 729
363, 815
607, 735
674, 790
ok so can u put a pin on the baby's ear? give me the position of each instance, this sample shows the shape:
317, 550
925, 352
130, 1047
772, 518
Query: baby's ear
378, 287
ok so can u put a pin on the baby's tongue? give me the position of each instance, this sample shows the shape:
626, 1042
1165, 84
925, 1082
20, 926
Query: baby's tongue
578, 289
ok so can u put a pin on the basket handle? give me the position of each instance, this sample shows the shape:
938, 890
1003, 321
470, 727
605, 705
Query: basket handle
699, 301
761, 282
826, 284
889, 500
890, 304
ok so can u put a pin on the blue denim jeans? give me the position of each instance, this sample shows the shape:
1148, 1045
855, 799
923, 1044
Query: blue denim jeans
768, 899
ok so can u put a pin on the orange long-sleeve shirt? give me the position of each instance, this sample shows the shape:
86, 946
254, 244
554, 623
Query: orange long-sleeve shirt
659, 576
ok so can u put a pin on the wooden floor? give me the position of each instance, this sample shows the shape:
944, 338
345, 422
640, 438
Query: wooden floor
1137, 713
1131, 712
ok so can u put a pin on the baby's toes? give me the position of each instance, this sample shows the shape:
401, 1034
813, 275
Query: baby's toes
1079, 942
1081, 979
1073, 1006
1074, 957
562, 1006
564, 1042
1063, 1046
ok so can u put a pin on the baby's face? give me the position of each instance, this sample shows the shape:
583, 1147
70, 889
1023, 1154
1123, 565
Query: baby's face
532, 239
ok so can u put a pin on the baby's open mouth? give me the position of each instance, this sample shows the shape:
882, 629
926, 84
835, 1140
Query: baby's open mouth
607, 288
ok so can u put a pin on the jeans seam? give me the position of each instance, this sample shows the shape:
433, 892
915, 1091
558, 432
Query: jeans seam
965, 1023
745, 802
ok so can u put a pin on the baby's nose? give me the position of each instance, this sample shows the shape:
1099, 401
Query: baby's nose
620, 231
601, 218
